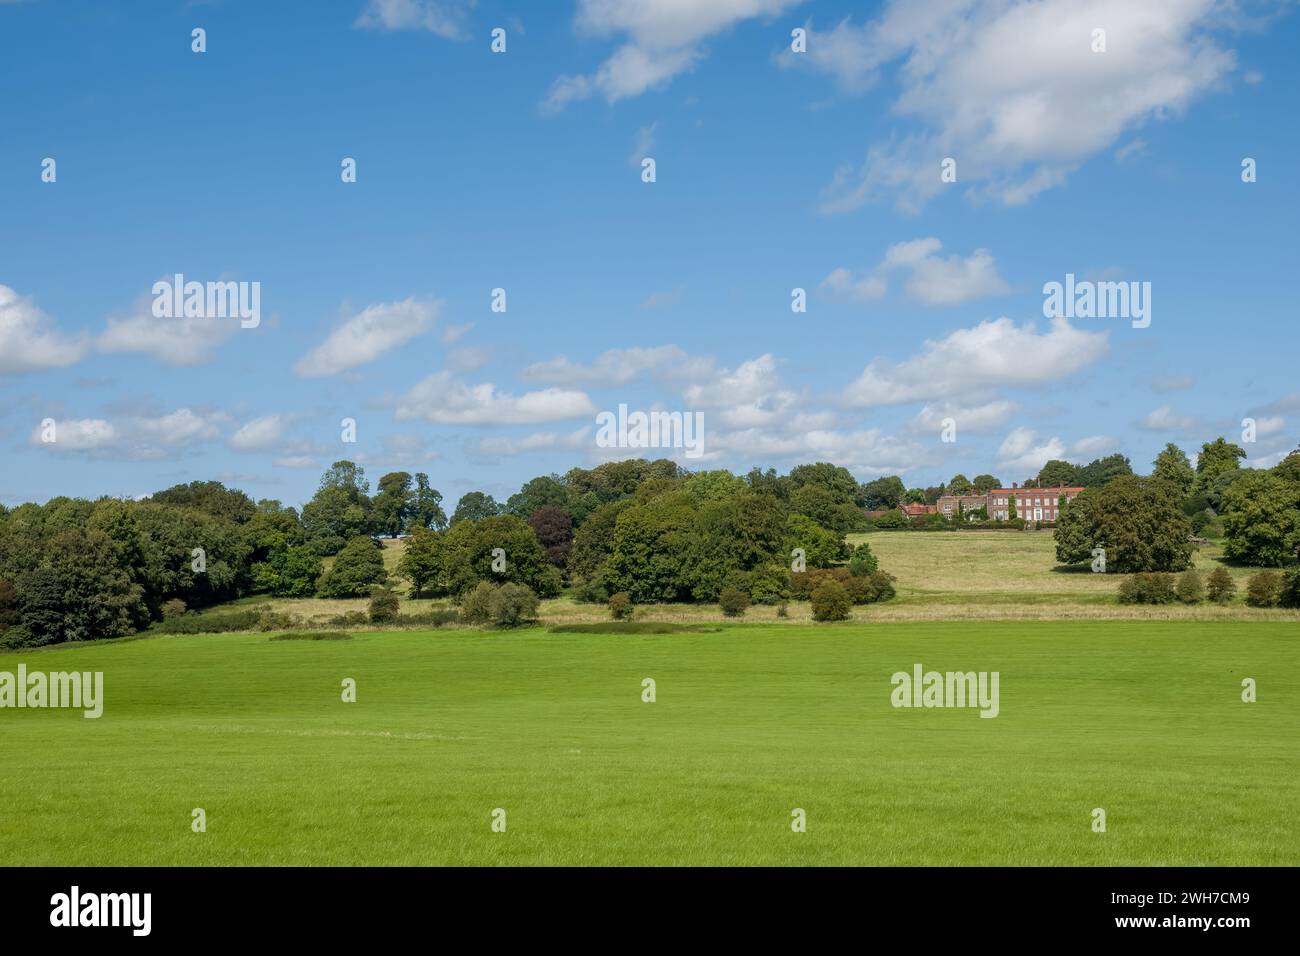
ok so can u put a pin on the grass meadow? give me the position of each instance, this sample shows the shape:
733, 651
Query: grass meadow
1141, 718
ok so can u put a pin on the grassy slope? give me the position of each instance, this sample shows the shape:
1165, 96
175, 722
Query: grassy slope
1143, 719
948, 575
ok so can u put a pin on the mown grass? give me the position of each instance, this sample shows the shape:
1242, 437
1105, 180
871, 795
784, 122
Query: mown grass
1143, 719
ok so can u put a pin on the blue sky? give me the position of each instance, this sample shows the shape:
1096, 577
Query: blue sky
522, 170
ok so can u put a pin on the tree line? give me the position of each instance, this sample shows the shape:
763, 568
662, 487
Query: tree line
75, 569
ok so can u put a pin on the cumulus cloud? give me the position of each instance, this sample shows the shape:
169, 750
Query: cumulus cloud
994, 353
260, 433
619, 367
932, 278
536, 441
1023, 451
1165, 419
369, 334
445, 18
29, 341
968, 418
445, 400
662, 38
133, 438
1013, 91
179, 341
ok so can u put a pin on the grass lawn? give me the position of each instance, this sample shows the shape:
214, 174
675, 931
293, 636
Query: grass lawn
1143, 719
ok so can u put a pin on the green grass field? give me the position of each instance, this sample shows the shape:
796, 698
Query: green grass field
1143, 719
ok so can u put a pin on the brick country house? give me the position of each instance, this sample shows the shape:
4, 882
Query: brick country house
1032, 504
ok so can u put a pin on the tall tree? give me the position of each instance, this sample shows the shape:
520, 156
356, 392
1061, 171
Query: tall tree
394, 503
1173, 465
475, 506
426, 509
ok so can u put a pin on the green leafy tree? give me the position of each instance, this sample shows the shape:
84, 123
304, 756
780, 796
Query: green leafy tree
1220, 587
421, 560
1057, 473
340, 509
393, 505
468, 554
822, 547
1218, 456
1261, 519
882, 493
959, 485
475, 506
210, 497
1103, 471
983, 484
1139, 521
426, 509
863, 562
356, 569
546, 491
1173, 465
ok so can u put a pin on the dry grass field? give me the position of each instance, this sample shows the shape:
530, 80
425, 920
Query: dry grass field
949, 575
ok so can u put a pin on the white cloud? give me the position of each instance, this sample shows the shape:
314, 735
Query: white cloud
1013, 91
173, 341
445, 400
29, 342
933, 279
618, 367
1024, 452
260, 433
968, 418
133, 438
751, 396
1021, 451
446, 18
1165, 419
368, 335
993, 353
537, 441
663, 39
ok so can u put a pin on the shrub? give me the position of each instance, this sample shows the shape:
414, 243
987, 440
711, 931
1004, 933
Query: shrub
513, 604
863, 562
877, 586
218, 623
384, 605
621, 607
1220, 586
312, 636
830, 602
475, 606
349, 619
506, 605
1190, 589
173, 608
1264, 589
783, 609
1290, 594
1147, 587
591, 591
733, 602
270, 620
436, 617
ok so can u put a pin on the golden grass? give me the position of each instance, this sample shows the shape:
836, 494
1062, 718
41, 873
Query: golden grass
940, 576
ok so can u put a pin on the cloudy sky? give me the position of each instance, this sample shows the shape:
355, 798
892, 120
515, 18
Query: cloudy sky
523, 171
